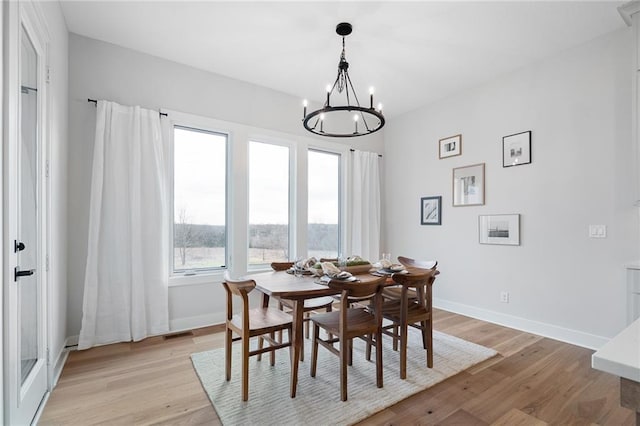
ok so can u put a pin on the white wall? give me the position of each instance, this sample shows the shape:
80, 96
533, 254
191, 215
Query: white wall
100, 70
58, 127
583, 171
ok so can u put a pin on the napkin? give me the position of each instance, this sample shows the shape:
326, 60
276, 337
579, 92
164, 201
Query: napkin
332, 271
306, 263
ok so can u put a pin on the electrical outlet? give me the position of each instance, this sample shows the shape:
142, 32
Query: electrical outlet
597, 231
504, 296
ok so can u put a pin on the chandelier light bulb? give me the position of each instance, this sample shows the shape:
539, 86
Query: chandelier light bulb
379, 107
355, 117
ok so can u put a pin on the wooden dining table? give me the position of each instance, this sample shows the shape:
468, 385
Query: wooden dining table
283, 285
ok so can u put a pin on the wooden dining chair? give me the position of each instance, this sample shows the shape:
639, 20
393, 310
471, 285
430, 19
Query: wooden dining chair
348, 323
258, 322
310, 305
404, 312
393, 292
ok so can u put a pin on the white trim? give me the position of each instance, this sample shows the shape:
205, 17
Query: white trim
567, 335
58, 366
627, 10
3, 246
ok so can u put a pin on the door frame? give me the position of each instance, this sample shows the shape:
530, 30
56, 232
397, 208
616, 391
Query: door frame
17, 15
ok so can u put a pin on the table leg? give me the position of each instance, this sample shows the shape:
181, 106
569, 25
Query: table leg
296, 342
630, 396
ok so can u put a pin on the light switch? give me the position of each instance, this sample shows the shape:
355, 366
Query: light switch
597, 231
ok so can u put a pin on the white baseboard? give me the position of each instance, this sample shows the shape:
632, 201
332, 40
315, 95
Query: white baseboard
61, 359
574, 337
189, 323
175, 326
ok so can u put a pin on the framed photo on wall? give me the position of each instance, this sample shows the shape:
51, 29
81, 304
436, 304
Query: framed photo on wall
516, 149
451, 146
431, 210
468, 185
499, 229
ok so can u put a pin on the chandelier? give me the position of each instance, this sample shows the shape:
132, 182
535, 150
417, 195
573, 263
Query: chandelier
349, 119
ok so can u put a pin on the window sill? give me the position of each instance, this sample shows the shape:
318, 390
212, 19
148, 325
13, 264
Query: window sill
197, 279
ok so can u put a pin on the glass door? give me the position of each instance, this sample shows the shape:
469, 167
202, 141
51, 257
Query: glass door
26, 343
28, 229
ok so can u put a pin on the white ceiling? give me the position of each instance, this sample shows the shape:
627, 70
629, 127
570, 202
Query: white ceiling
412, 52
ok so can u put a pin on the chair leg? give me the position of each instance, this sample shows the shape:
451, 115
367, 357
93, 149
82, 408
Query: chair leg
395, 337
314, 350
302, 348
245, 368
260, 345
379, 359
423, 327
344, 359
307, 315
273, 352
227, 352
368, 353
330, 309
350, 352
403, 350
429, 343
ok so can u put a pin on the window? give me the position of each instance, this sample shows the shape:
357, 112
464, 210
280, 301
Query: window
199, 200
268, 203
324, 204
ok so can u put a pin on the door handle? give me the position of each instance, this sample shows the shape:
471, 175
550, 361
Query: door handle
18, 246
17, 273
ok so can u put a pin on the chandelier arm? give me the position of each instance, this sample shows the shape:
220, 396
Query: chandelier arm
355, 95
326, 104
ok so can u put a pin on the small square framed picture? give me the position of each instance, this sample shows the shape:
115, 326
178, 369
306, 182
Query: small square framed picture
431, 210
499, 229
451, 146
516, 149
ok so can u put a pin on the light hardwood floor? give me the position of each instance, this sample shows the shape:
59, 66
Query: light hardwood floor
533, 381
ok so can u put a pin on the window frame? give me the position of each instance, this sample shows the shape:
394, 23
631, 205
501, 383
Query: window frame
210, 126
292, 197
237, 187
342, 190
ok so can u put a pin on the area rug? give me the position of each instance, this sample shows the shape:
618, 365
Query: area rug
317, 401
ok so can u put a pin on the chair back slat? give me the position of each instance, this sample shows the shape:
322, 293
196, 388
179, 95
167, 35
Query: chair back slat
413, 263
416, 277
358, 289
238, 287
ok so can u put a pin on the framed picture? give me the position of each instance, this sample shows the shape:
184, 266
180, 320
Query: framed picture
468, 185
451, 146
499, 229
431, 210
516, 149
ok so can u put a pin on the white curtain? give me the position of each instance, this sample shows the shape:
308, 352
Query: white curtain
125, 289
365, 205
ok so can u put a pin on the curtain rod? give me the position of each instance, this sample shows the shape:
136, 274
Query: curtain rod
352, 150
162, 114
